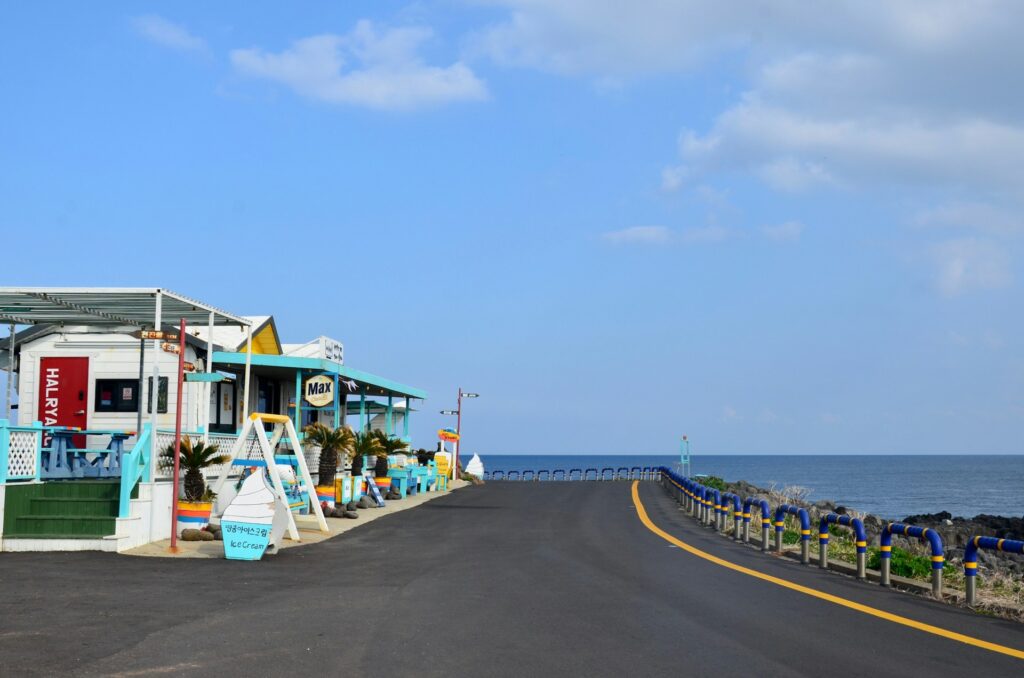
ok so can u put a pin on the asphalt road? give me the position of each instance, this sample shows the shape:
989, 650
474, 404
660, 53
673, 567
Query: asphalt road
509, 579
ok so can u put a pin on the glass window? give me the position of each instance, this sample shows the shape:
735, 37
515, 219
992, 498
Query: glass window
161, 396
117, 395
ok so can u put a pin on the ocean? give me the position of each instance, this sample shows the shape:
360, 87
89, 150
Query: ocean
890, 486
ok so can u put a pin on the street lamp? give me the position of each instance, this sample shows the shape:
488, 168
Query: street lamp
458, 426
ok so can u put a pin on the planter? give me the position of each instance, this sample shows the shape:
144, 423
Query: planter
326, 495
193, 514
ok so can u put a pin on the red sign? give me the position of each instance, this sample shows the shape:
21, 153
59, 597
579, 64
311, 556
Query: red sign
63, 393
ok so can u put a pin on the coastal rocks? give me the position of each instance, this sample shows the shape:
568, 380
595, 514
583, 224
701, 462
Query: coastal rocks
206, 536
191, 534
351, 506
351, 514
366, 502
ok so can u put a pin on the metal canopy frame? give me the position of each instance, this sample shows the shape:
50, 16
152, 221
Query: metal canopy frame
105, 306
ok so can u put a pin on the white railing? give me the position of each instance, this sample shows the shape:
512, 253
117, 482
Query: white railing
20, 447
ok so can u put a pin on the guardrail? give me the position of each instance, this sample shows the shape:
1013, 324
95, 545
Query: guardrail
712, 506
971, 558
737, 513
766, 520
922, 533
805, 529
861, 542
708, 506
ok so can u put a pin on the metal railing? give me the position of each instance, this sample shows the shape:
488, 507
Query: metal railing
861, 542
708, 506
737, 513
766, 520
805, 529
925, 535
971, 559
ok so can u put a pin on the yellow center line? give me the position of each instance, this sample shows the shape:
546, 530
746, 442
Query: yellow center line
821, 595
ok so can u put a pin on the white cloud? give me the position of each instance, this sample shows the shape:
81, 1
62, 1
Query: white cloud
646, 235
167, 33
851, 92
791, 174
705, 234
661, 235
673, 178
967, 264
977, 216
729, 414
389, 73
788, 231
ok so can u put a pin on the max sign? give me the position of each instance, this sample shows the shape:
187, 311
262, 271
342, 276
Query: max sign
319, 391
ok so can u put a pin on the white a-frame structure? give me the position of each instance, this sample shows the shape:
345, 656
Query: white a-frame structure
282, 426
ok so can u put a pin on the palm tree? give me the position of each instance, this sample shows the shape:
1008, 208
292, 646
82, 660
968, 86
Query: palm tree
389, 445
331, 442
364, 444
194, 458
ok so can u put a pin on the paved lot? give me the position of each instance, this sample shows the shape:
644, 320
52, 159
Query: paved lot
509, 579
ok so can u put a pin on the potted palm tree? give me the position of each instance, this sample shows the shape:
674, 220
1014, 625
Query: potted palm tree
388, 445
365, 444
196, 502
331, 442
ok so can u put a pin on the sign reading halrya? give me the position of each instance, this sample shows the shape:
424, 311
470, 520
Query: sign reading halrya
319, 391
449, 435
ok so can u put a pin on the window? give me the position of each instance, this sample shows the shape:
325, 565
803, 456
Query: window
117, 395
161, 396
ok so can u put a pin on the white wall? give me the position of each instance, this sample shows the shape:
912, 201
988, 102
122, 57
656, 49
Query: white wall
111, 356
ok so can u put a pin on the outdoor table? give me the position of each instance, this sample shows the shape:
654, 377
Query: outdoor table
64, 460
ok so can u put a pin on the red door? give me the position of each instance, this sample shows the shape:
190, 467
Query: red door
64, 393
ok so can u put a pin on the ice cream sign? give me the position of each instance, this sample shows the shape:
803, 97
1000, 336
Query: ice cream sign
319, 391
254, 519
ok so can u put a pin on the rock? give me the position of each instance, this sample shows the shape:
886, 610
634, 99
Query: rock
351, 514
351, 506
206, 536
366, 502
218, 536
191, 534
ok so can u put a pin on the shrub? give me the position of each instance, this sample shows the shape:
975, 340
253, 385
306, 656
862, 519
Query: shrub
714, 482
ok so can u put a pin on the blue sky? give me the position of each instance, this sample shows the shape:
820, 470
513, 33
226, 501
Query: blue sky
773, 227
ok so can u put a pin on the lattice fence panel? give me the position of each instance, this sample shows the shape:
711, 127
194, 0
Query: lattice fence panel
21, 458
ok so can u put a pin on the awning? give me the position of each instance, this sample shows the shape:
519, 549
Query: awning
371, 383
110, 306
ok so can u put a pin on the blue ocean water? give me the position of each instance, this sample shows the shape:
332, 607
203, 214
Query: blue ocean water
891, 486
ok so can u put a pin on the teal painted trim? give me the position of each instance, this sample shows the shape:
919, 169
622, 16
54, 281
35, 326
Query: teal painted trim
298, 400
5, 448
204, 376
405, 421
395, 387
300, 363
38, 425
390, 420
362, 409
337, 403
134, 465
